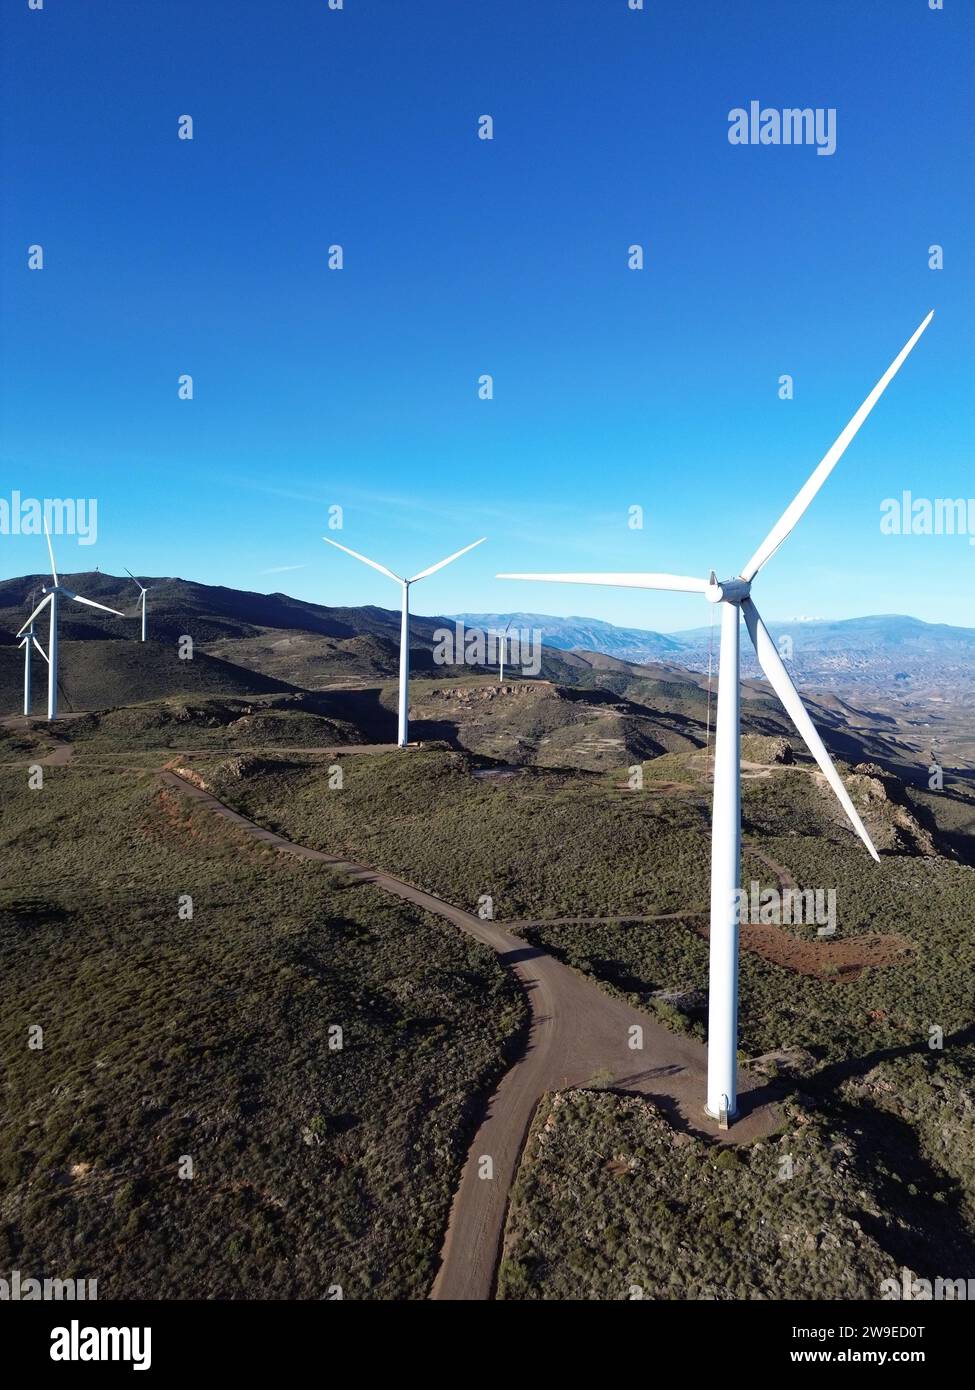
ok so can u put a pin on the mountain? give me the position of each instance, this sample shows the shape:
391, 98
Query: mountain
882, 651
875, 685
206, 612
96, 674
886, 651
585, 634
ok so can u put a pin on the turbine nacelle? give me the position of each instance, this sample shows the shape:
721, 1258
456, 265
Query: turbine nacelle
727, 590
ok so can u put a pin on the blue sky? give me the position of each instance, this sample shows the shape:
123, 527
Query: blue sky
613, 387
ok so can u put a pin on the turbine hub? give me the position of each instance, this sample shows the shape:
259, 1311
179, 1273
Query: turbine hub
727, 590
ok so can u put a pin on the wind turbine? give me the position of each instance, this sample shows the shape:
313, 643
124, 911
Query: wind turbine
502, 645
53, 597
142, 591
29, 642
734, 595
404, 639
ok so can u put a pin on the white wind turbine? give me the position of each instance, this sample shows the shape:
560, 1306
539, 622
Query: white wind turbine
53, 597
404, 639
29, 643
735, 597
501, 646
142, 591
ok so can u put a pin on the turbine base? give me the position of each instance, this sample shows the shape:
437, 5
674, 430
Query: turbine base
723, 1117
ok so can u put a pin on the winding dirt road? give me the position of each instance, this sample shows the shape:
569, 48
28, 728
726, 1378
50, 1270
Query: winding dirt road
577, 1034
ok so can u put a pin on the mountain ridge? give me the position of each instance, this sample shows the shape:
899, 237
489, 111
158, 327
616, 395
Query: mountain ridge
872, 650
882, 652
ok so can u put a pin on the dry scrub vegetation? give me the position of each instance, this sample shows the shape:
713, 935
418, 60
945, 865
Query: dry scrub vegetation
211, 1038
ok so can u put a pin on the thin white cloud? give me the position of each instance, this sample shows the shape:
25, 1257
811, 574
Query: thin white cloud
282, 569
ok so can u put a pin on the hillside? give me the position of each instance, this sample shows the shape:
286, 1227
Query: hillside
97, 673
214, 1039
585, 708
206, 612
575, 802
903, 653
613, 1203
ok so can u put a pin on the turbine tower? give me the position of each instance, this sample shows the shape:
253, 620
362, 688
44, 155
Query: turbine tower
404, 639
53, 596
734, 595
142, 591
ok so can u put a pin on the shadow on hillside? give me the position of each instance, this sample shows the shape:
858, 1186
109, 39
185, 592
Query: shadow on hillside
435, 731
950, 841
364, 709
826, 1081
378, 723
929, 1234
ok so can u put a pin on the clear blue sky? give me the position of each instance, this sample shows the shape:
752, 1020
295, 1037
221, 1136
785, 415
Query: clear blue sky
612, 387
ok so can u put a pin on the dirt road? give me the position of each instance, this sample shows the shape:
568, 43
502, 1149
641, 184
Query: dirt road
578, 1034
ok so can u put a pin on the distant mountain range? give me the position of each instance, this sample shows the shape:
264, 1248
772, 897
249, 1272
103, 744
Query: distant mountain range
875, 685
586, 634
302, 643
875, 650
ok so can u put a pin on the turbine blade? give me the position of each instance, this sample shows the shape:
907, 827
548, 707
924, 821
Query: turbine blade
808, 491
50, 551
781, 683
364, 558
91, 603
41, 650
134, 580
440, 563
677, 582
39, 609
